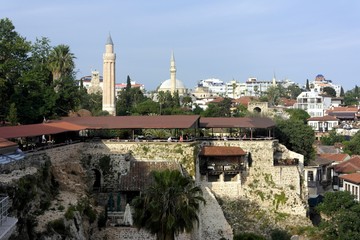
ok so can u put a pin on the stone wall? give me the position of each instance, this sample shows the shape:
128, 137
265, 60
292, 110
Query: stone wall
275, 188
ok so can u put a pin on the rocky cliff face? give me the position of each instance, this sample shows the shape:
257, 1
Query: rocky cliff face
58, 200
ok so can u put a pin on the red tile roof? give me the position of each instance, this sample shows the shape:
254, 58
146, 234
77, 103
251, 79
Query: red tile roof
353, 178
6, 143
222, 151
235, 122
349, 166
287, 102
337, 157
344, 109
245, 100
139, 178
324, 118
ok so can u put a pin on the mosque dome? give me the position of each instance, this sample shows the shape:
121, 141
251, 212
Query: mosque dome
167, 84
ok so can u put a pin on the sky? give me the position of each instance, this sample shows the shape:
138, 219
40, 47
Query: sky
227, 39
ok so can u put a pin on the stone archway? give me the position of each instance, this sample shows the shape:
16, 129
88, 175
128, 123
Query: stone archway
257, 110
97, 180
258, 107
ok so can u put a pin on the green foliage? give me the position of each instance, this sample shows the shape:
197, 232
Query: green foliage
169, 206
128, 99
102, 219
352, 147
69, 214
105, 164
278, 234
352, 97
221, 109
329, 91
58, 226
293, 91
297, 137
298, 114
332, 138
342, 213
248, 236
12, 116
279, 199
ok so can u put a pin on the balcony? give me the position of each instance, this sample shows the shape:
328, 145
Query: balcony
286, 162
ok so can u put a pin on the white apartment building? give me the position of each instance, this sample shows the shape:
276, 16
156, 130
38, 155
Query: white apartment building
320, 83
257, 88
313, 103
235, 89
216, 86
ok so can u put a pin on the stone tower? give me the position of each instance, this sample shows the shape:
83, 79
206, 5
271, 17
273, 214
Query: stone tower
172, 74
95, 83
109, 57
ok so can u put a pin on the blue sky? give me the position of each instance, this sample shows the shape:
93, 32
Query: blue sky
227, 39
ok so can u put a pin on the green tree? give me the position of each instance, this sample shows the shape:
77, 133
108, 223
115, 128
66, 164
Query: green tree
332, 138
352, 97
146, 107
298, 114
187, 101
307, 87
61, 61
352, 147
329, 91
342, 220
293, 91
169, 206
220, 109
342, 94
274, 93
297, 137
12, 116
14, 50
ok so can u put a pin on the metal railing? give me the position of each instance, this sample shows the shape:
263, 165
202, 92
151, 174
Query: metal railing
4, 206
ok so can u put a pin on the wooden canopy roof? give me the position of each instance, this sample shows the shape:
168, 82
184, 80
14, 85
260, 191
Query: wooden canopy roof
221, 151
236, 122
68, 124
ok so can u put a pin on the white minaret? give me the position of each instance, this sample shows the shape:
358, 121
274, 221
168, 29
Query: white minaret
172, 74
109, 57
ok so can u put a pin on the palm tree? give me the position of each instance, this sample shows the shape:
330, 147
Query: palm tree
161, 99
61, 61
169, 206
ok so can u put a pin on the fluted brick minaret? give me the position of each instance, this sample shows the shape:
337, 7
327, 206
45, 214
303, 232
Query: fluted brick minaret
109, 57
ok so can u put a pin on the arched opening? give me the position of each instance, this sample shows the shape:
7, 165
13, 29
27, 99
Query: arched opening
97, 182
257, 110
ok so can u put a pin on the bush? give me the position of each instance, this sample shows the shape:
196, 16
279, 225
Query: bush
278, 234
248, 236
70, 212
102, 220
59, 227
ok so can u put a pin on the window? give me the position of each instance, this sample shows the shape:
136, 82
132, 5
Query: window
341, 182
310, 176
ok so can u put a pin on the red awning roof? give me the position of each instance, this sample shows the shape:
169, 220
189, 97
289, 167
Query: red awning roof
136, 122
235, 122
109, 122
38, 129
221, 151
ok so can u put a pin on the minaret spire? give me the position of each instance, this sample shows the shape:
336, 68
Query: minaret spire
172, 73
109, 57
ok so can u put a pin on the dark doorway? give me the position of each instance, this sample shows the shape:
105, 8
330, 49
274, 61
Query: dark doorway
97, 182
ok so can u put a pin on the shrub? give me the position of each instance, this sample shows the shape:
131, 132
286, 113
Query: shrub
278, 234
248, 236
